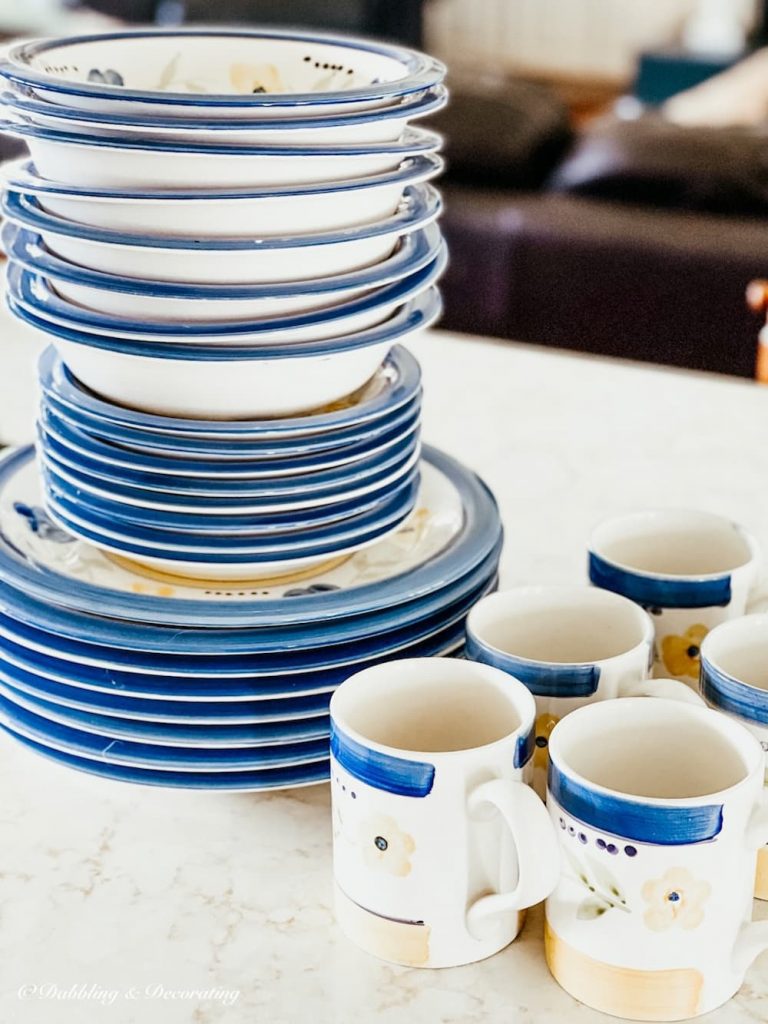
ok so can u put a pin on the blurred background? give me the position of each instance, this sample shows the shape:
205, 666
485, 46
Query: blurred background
607, 185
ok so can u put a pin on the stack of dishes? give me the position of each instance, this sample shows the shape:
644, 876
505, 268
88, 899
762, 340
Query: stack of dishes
226, 235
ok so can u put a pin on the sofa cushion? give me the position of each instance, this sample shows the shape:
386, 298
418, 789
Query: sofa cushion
656, 163
510, 136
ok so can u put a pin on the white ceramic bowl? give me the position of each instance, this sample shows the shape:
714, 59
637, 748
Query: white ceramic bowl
385, 125
138, 299
254, 214
122, 162
228, 72
220, 382
312, 328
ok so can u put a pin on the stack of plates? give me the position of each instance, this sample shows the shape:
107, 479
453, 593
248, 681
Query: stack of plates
226, 236
140, 676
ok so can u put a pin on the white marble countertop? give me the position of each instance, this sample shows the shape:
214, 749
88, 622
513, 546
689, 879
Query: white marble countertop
125, 902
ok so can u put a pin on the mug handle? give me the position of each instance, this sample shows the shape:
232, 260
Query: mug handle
752, 939
538, 851
671, 689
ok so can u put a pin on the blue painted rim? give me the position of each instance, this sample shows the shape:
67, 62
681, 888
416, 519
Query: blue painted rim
55, 689
276, 522
420, 206
543, 680
148, 755
55, 379
412, 142
80, 440
368, 468
479, 537
228, 450
655, 824
397, 775
271, 778
229, 552
414, 106
418, 299
189, 734
423, 71
179, 544
658, 592
412, 170
237, 674
731, 695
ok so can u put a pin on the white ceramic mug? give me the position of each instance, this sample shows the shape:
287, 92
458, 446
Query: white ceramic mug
660, 812
734, 679
439, 842
570, 645
691, 570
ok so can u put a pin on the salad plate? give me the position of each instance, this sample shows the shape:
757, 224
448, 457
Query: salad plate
455, 528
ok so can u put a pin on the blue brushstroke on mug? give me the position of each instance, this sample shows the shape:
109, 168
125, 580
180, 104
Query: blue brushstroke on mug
733, 696
629, 819
542, 680
654, 592
525, 748
382, 771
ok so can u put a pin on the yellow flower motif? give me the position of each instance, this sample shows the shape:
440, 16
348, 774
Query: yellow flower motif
680, 654
385, 846
675, 899
251, 78
545, 723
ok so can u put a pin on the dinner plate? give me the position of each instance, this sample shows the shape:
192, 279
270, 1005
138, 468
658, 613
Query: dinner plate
134, 754
186, 735
293, 777
456, 526
393, 385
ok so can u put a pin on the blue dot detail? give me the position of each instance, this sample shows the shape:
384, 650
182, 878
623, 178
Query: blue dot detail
630, 851
582, 837
612, 848
562, 823
673, 897
600, 844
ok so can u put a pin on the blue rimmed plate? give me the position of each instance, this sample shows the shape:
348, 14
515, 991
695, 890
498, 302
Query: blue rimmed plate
456, 527
295, 776
391, 388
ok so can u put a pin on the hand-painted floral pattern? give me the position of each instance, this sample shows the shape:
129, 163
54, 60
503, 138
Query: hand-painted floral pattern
675, 899
604, 891
254, 78
385, 846
41, 523
680, 654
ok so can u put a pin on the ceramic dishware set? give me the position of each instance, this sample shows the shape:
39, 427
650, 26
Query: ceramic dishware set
226, 236
658, 814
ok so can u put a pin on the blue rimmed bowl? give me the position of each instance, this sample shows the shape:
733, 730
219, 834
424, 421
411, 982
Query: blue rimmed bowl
268, 217
383, 125
216, 380
393, 389
122, 161
146, 299
253, 73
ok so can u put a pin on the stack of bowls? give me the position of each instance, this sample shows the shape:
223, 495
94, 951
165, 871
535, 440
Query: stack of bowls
225, 235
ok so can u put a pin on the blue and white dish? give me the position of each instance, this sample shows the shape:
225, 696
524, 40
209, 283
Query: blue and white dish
222, 381
340, 224
394, 385
127, 161
190, 736
456, 527
191, 72
83, 442
292, 777
383, 125
130, 298
370, 308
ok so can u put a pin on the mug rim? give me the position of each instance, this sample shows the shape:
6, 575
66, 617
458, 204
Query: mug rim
744, 622
594, 549
626, 705
517, 694
555, 588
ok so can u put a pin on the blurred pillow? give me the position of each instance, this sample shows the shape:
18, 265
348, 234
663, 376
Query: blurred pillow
510, 136
656, 163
